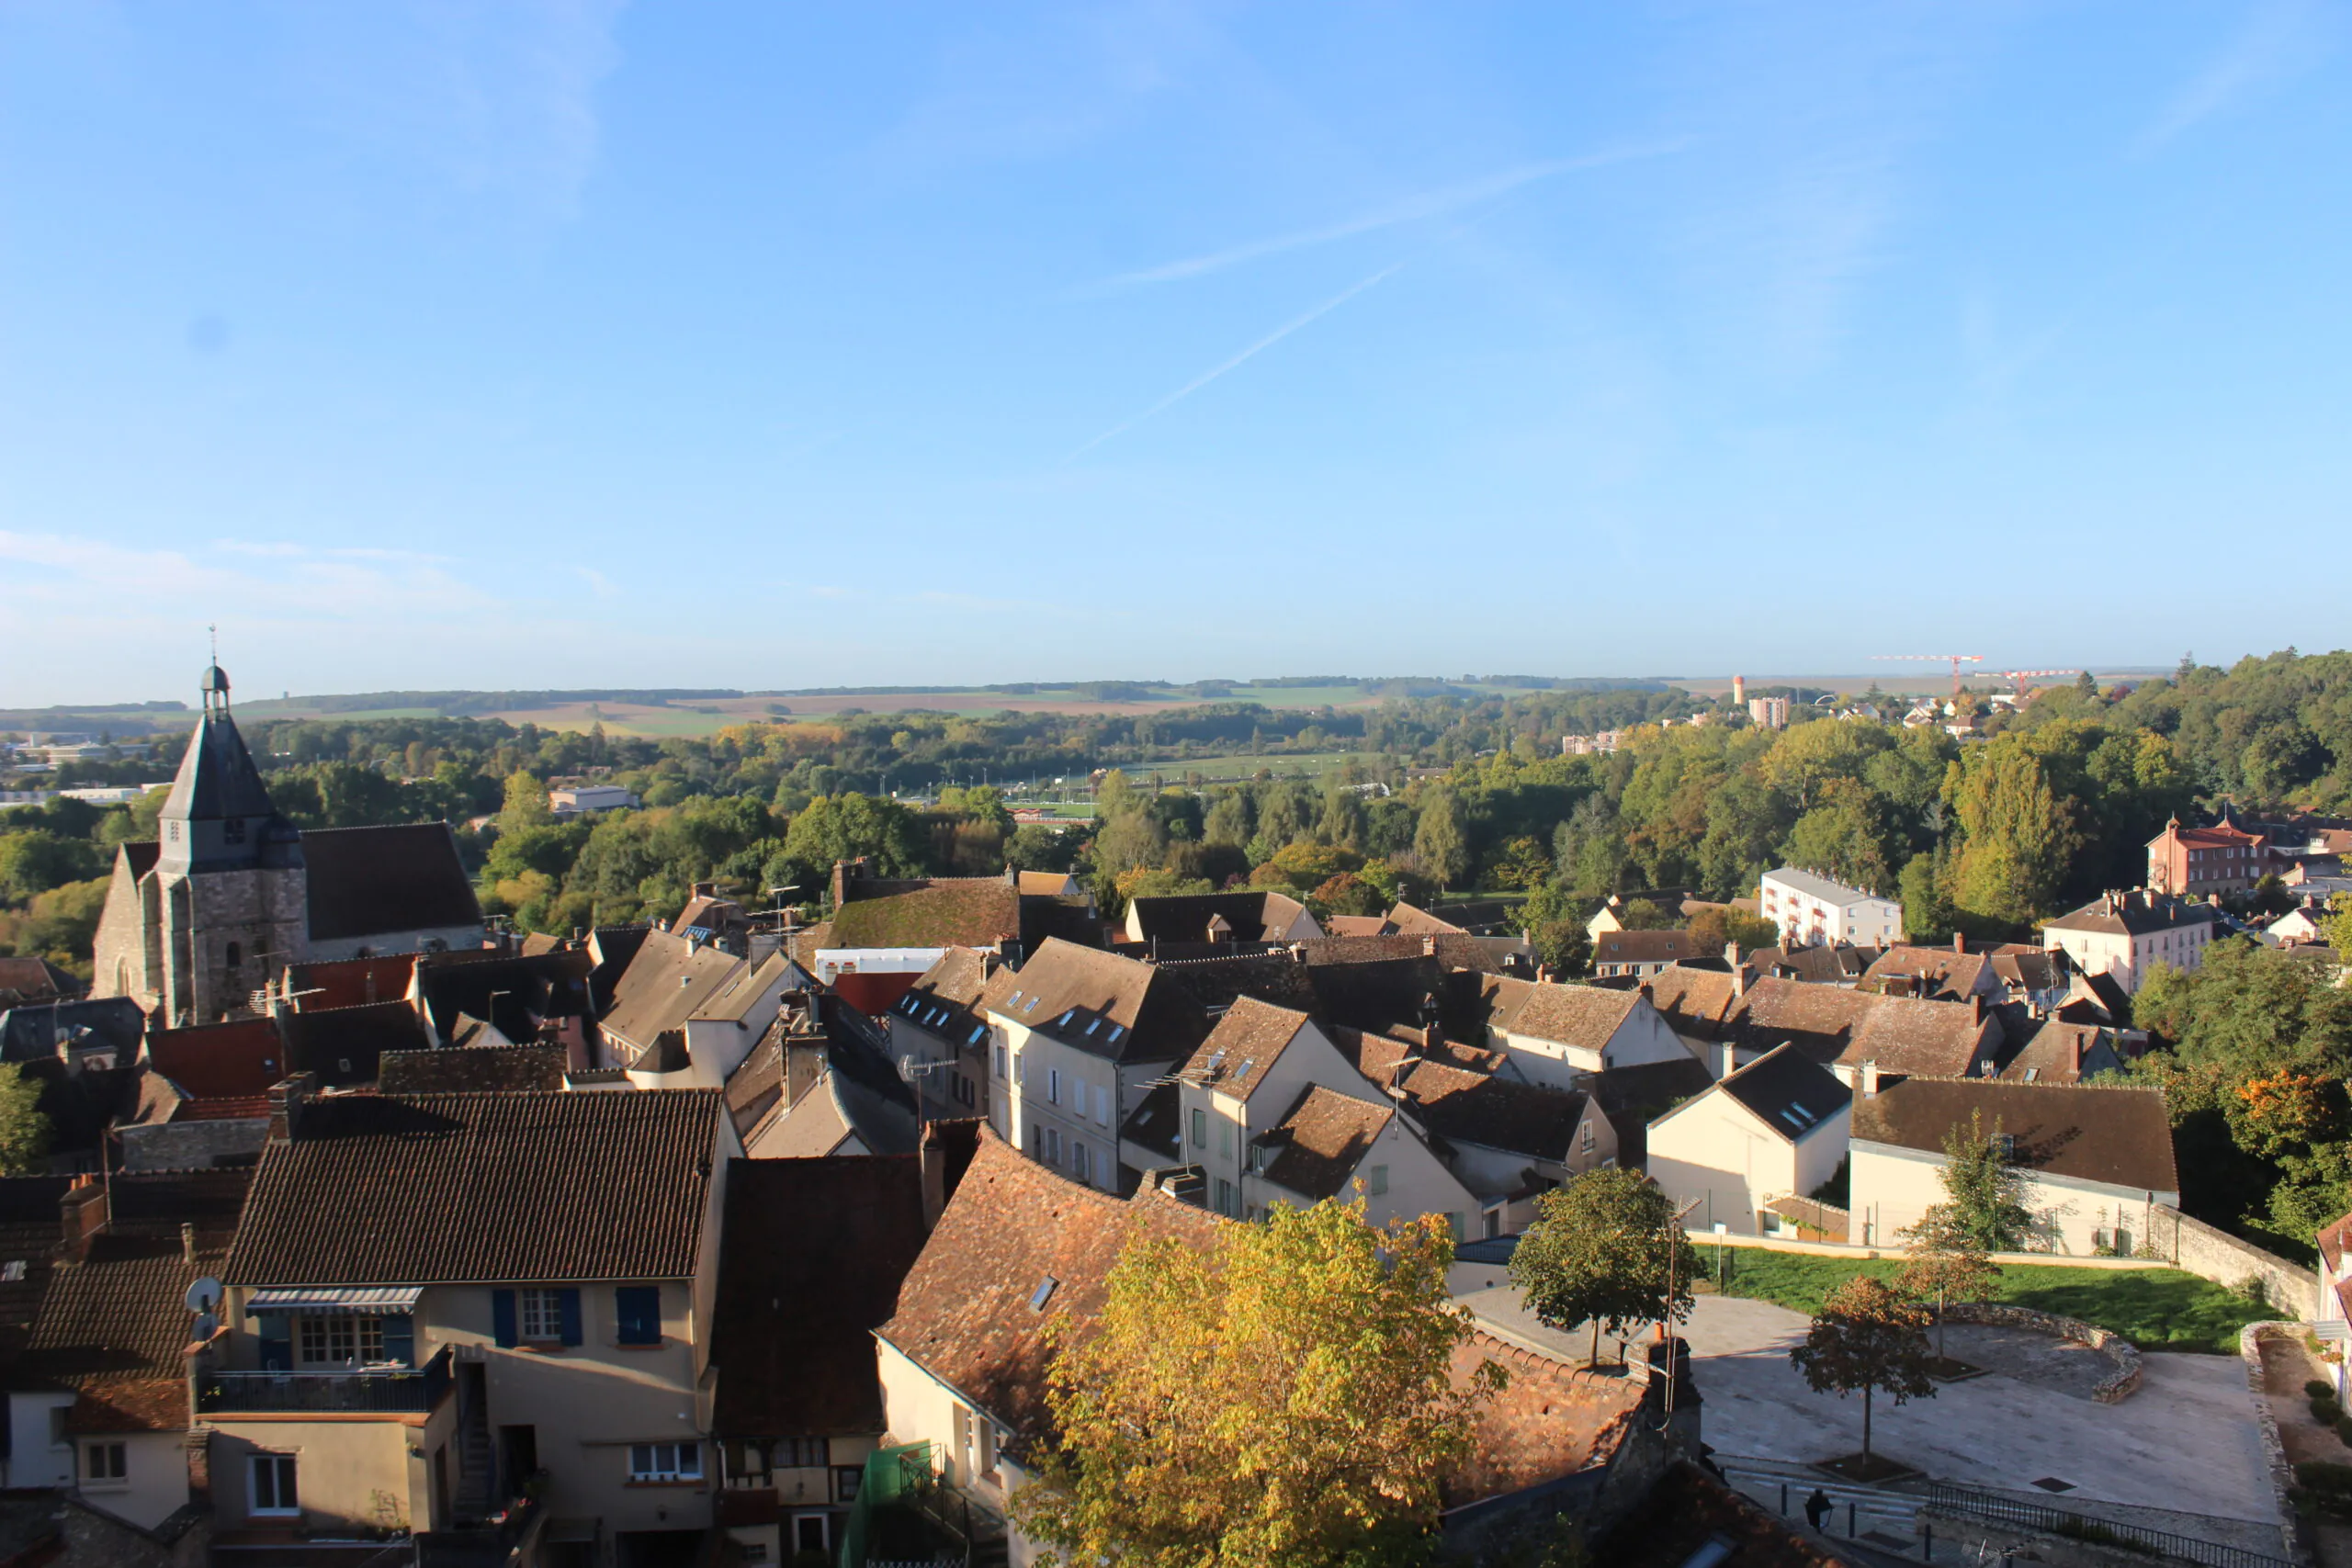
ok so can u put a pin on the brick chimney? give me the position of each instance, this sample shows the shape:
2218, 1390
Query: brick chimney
1428, 1037
285, 1099
2074, 1055
1958, 942
1977, 1008
82, 1210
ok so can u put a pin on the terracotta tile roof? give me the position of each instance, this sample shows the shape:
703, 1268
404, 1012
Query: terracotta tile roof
2133, 914
213, 1060
1315, 1149
1043, 884
668, 982
2029, 969
2062, 1052
1643, 947
1692, 1001
473, 1069
113, 1328
1831, 1025
1243, 1047
1942, 973
352, 982
481, 1188
976, 912
34, 980
1248, 913
1384, 1056
1217, 981
964, 1314
1822, 963
389, 879
2118, 1136
1358, 925
1155, 1021
1584, 1016
1550, 1420
758, 1081
343, 1045
225, 1108
1411, 920
1497, 1112
814, 1253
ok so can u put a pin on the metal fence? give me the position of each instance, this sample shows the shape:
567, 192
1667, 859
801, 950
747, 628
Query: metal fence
385, 1391
2018, 1511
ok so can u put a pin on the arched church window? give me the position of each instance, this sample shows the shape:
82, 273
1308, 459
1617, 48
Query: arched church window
236, 954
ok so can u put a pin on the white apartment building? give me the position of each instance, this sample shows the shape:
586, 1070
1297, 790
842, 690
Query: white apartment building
1075, 1038
2123, 935
1812, 910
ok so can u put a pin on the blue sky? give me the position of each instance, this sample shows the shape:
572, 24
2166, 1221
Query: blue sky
568, 344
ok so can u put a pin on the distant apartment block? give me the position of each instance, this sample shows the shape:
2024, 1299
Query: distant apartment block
1812, 910
581, 799
1599, 745
1769, 712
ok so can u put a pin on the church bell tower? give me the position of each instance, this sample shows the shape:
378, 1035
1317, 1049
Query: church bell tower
230, 902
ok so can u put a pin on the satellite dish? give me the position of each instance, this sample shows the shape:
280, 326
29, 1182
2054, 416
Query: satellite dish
204, 1295
206, 1326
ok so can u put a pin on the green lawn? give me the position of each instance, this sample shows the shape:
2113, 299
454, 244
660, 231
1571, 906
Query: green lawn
2156, 1309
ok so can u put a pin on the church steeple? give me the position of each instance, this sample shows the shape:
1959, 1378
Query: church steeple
218, 815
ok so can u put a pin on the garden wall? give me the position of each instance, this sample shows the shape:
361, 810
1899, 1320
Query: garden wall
2223, 1258
2113, 1389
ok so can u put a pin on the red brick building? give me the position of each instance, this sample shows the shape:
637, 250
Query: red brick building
2223, 858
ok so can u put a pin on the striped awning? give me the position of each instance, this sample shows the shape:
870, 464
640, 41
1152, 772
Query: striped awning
357, 1300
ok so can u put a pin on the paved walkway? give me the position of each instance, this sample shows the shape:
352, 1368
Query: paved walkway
2186, 1441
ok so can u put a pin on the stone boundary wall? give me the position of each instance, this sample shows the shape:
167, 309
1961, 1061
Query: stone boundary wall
2274, 1449
2113, 1389
2223, 1258
1704, 1239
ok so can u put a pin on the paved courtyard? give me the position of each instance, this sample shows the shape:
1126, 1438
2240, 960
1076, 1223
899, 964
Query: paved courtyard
2186, 1441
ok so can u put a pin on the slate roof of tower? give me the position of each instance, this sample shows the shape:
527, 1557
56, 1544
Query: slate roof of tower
217, 778
481, 1188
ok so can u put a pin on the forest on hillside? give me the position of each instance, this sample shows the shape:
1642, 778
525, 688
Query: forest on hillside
2048, 807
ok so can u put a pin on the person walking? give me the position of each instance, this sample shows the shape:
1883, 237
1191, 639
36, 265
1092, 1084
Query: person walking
1816, 1508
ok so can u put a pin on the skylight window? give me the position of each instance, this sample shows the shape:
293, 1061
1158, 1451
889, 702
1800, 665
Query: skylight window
1063, 1021
1043, 1293
1243, 1070
1091, 1025
1117, 1029
1033, 1004
980, 1032
1014, 998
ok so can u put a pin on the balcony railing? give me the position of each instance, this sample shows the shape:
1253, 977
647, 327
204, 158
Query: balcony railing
388, 1391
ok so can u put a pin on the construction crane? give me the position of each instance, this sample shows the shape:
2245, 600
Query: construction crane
2019, 677
1957, 661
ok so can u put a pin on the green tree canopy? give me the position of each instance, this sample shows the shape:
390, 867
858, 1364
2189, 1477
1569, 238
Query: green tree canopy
1608, 1250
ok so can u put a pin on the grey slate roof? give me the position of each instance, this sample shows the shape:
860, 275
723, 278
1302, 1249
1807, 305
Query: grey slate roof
1816, 886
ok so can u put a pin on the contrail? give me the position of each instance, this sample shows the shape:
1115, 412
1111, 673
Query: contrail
1272, 338
1429, 203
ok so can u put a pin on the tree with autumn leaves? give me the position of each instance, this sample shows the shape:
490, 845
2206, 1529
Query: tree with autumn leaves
1607, 1250
1283, 1395
1866, 1339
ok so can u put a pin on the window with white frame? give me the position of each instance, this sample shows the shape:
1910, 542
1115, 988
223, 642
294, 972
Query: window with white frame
1102, 1105
270, 1479
666, 1462
105, 1464
539, 1315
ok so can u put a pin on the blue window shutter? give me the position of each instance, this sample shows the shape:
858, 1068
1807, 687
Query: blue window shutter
399, 1339
502, 1318
568, 1299
639, 1308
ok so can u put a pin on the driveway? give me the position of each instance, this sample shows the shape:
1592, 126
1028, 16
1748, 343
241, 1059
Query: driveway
2186, 1441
